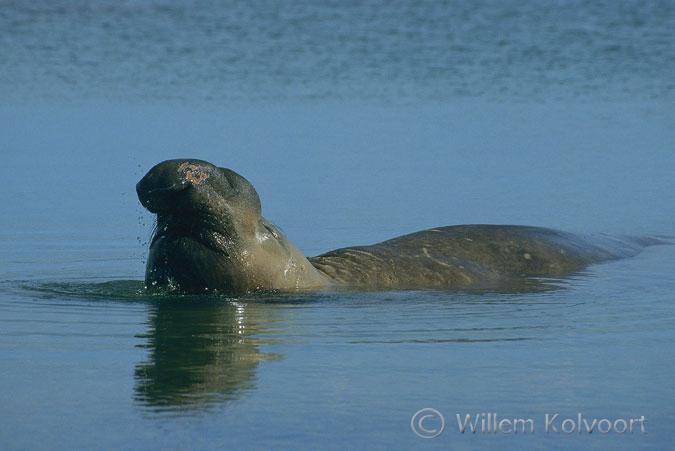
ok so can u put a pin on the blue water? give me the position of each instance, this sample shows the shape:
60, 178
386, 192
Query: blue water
356, 122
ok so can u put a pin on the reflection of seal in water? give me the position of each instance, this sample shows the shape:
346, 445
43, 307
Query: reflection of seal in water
199, 355
210, 235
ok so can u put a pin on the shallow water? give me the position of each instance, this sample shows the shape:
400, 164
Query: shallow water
355, 124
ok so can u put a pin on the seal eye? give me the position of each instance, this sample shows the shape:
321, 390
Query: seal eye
271, 230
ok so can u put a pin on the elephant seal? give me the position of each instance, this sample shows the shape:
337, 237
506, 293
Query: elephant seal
210, 236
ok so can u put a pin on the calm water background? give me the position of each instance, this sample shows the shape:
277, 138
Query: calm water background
356, 122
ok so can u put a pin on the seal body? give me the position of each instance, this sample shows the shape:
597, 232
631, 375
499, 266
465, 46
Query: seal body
210, 236
462, 256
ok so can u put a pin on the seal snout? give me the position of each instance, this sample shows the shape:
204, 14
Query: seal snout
158, 189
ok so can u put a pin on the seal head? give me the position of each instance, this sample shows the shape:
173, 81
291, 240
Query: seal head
210, 234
